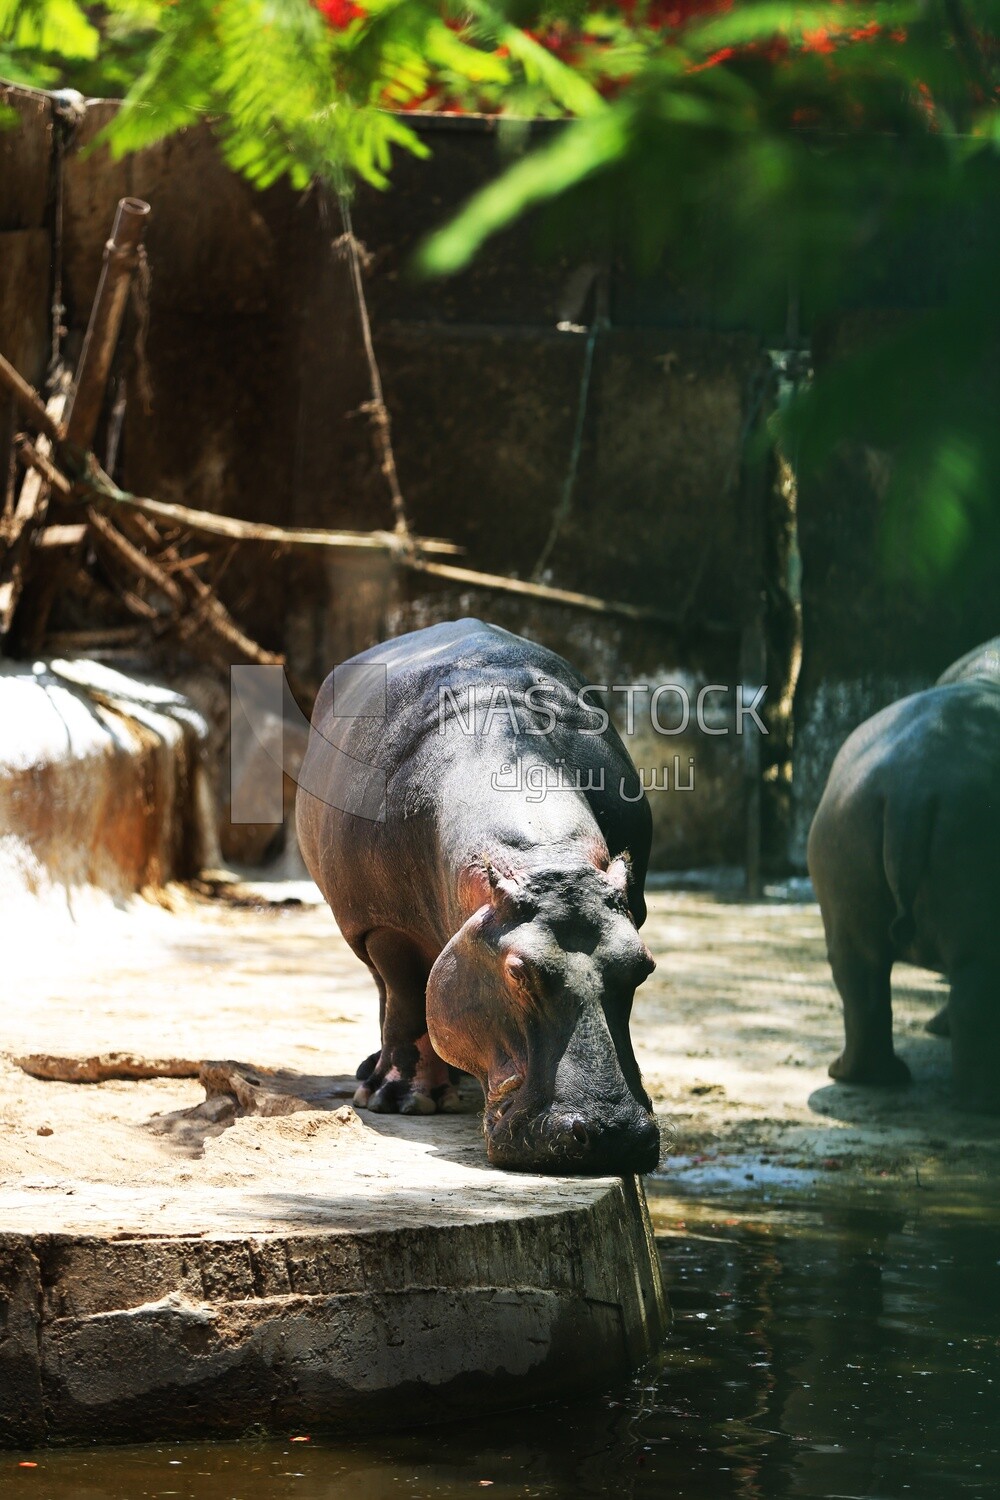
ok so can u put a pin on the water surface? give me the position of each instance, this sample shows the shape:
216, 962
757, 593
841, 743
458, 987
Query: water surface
826, 1352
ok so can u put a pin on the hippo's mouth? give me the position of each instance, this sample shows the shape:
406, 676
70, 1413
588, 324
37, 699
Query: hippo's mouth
561, 1140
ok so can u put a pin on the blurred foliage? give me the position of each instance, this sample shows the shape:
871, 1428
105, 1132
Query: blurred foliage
761, 157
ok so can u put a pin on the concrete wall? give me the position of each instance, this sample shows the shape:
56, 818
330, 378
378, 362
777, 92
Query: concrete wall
102, 785
25, 248
869, 637
257, 374
258, 377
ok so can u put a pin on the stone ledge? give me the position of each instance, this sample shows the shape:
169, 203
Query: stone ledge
182, 1258
101, 782
112, 1338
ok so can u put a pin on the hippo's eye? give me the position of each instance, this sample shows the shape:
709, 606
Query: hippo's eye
521, 980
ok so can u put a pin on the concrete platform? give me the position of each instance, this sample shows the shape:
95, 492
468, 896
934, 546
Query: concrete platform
407, 1283
227, 1247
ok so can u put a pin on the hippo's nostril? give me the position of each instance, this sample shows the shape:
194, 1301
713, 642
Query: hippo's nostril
579, 1131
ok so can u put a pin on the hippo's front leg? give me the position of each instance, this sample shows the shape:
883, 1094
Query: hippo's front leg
406, 1076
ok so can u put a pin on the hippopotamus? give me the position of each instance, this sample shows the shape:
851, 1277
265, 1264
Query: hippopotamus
481, 836
904, 854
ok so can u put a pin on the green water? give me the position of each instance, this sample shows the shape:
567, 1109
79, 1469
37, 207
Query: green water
823, 1352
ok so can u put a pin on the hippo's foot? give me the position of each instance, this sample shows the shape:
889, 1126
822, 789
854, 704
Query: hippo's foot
882, 1072
406, 1081
940, 1025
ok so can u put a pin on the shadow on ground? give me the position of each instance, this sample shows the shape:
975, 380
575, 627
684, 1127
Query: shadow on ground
239, 1090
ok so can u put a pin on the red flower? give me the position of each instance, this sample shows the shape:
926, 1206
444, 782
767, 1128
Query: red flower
723, 55
674, 13
339, 13
817, 41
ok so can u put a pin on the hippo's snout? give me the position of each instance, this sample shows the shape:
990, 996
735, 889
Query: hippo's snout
560, 1141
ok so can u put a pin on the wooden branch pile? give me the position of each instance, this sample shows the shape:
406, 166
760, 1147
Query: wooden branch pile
137, 564
70, 530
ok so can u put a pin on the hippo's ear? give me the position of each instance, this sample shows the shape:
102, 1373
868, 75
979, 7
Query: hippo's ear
619, 872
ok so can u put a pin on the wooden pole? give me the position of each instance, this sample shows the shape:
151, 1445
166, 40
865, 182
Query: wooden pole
552, 595
103, 495
30, 402
121, 255
107, 499
207, 523
29, 516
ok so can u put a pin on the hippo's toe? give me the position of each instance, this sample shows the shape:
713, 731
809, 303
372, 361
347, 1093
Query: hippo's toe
415, 1103
449, 1100
392, 1093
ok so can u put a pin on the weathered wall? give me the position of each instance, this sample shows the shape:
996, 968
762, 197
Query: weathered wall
872, 636
258, 378
102, 784
25, 247
257, 374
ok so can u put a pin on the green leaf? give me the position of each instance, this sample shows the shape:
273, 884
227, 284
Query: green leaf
58, 27
564, 83
747, 24
580, 149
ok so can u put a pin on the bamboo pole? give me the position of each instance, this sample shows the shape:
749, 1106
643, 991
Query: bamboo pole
206, 523
102, 495
105, 495
590, 602
136, 560
33, 456
236, 530
121, 255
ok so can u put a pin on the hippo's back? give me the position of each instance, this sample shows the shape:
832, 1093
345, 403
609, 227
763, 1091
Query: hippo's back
943, 742
456, 653
981, 661
395, 699
912, 806
413, 741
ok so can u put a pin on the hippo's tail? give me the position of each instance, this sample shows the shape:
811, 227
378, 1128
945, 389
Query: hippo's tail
908, 828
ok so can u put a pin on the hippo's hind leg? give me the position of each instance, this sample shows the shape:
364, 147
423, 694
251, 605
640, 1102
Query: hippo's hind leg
974, 1013
406, 1076
864, 982
940, 1023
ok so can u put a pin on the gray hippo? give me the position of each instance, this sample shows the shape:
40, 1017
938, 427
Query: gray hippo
482, 837
904, 854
